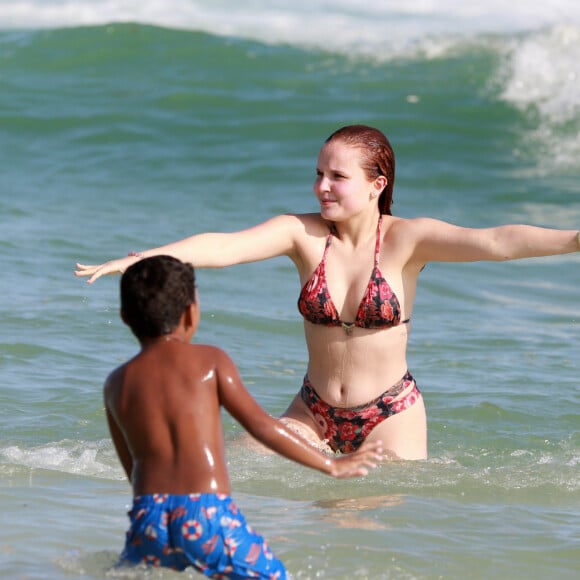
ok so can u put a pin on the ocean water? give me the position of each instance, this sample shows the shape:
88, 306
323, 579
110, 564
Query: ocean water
126, 124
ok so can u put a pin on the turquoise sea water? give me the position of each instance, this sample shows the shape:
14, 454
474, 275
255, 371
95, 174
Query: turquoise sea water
124, 125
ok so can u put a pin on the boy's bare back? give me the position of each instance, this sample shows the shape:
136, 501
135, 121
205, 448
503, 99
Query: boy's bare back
166, 401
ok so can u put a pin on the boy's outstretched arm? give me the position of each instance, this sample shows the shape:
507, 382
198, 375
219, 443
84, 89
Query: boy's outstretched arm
243, 407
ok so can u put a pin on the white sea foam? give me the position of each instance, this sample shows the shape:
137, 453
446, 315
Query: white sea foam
545, 71
323, 23
88, 458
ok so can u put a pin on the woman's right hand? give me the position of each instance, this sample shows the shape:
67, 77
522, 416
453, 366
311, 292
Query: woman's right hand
111, 267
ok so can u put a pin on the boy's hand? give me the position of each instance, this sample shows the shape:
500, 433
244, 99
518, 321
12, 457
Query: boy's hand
356, 463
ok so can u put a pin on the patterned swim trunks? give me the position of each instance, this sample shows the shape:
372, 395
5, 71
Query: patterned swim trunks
206, 531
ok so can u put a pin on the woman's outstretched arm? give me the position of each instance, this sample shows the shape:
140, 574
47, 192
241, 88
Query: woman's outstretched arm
437, 241
274, 237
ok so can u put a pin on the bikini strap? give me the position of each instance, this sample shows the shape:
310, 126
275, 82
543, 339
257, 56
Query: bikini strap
328, 242
378, 242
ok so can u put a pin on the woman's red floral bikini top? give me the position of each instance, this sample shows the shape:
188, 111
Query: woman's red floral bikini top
379, 307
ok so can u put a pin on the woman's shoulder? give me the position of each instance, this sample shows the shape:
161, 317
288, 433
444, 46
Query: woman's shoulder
409, 226
308, 223
407, 234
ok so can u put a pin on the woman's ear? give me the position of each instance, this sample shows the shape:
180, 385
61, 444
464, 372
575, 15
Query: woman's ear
380, 183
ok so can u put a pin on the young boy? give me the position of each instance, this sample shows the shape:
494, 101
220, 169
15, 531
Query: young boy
163, 411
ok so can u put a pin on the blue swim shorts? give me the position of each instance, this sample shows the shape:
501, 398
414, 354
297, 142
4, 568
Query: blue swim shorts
203, 530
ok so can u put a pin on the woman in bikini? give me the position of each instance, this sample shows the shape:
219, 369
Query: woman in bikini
358, 267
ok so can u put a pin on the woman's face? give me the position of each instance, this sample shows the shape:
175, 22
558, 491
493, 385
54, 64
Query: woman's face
341, 185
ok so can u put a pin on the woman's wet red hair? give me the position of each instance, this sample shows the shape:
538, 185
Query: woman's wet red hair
377, 155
